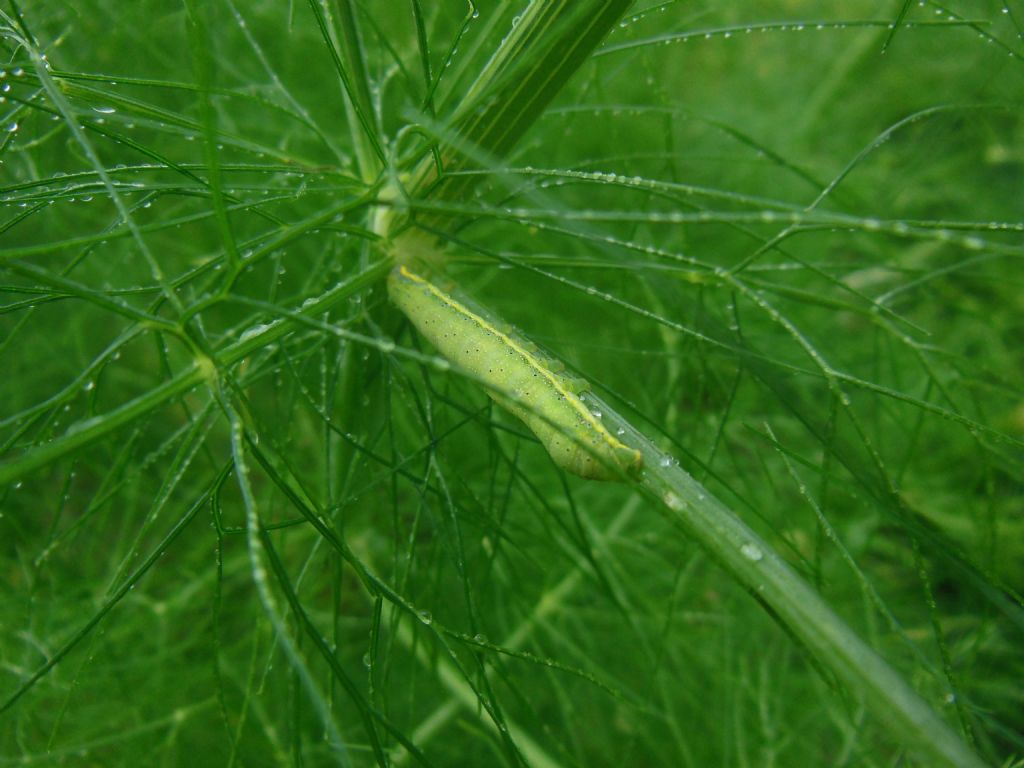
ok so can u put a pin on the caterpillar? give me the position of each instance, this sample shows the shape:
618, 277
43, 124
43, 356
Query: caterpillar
516, 377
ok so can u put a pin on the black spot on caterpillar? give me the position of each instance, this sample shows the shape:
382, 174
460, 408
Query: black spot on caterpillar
517, 378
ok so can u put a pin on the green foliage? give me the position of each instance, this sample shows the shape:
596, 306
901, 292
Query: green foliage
248, 517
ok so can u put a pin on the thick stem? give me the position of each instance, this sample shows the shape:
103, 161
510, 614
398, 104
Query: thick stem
754, 564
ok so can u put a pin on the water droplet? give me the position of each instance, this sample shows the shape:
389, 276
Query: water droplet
255, 330
752, 552
426, 617
673, 502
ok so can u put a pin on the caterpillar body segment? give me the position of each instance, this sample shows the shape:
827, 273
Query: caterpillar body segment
516, 377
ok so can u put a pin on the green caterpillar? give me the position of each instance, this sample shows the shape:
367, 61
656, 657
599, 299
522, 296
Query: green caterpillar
516, 378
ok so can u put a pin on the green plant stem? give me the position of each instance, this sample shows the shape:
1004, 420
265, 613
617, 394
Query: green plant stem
358, 99
201, 370
347, 57
546, 45
753, 563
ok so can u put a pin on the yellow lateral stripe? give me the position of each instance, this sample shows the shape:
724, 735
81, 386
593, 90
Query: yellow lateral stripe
570, 397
